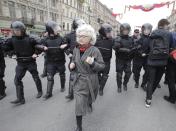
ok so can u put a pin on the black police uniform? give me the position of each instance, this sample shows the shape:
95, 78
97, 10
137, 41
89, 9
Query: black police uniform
105, 46
24, 47
140, 61
2, 70
55, 62
70, 39
123, 47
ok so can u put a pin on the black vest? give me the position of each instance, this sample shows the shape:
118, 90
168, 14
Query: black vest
55, 54
125, 42
23, 47
105, 46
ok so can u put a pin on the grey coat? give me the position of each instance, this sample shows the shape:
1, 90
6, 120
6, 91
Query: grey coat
86, 83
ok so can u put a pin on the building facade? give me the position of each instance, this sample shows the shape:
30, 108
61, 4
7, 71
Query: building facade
172, 20
34, 14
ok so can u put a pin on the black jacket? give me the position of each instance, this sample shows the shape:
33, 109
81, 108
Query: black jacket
123, 46
70, 39
22, 46
54, 54
105, 46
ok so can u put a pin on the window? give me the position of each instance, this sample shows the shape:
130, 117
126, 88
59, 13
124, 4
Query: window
33, 14
41, 16
40, 1
23, 11
11, 6
53, 16
68, 26
63, 25
71, 15
53, 3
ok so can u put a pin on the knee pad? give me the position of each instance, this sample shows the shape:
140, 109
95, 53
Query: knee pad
105, 76
36, 78
62, 75
118, 75
50, 77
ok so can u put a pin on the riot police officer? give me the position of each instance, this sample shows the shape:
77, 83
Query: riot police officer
54, 47
24, 47
136, 35
71, 41
2, 70
140, 59
105, 44
123, 48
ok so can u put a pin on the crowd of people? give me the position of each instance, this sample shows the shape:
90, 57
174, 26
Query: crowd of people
90, 60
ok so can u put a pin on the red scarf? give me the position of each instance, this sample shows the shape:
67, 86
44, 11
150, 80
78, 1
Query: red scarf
83, 48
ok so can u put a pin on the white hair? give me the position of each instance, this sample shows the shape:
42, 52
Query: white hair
89, 31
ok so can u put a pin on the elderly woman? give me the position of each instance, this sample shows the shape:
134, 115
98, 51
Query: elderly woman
86, 63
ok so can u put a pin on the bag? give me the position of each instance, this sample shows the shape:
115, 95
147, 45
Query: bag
159, 49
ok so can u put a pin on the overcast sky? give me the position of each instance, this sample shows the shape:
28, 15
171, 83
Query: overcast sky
138, 17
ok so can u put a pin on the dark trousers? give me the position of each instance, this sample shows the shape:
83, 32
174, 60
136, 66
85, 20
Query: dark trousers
104, 74
123, 66
138, 64
71, 78
155, 75
171, 75
2, 82
21, 70
52, 69
45, 66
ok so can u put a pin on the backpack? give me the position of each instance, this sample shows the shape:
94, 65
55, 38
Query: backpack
159, 48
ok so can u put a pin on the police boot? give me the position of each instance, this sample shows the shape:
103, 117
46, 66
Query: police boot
169, 99
62, 81
70, 95
136, 85
39, 87
126, 79
143, 86
79, 123
125, 87
159, 86
49, 89
102, 84
2, 96
20, 96
119, 82
2, 89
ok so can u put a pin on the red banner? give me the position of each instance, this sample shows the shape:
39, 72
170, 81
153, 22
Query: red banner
120, 15
147, 8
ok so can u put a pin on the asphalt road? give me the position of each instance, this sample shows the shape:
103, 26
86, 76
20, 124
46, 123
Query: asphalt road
112, 112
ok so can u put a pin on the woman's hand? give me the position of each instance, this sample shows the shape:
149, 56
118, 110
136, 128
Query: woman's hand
72, 66
34, 56
90, 60
45, 48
